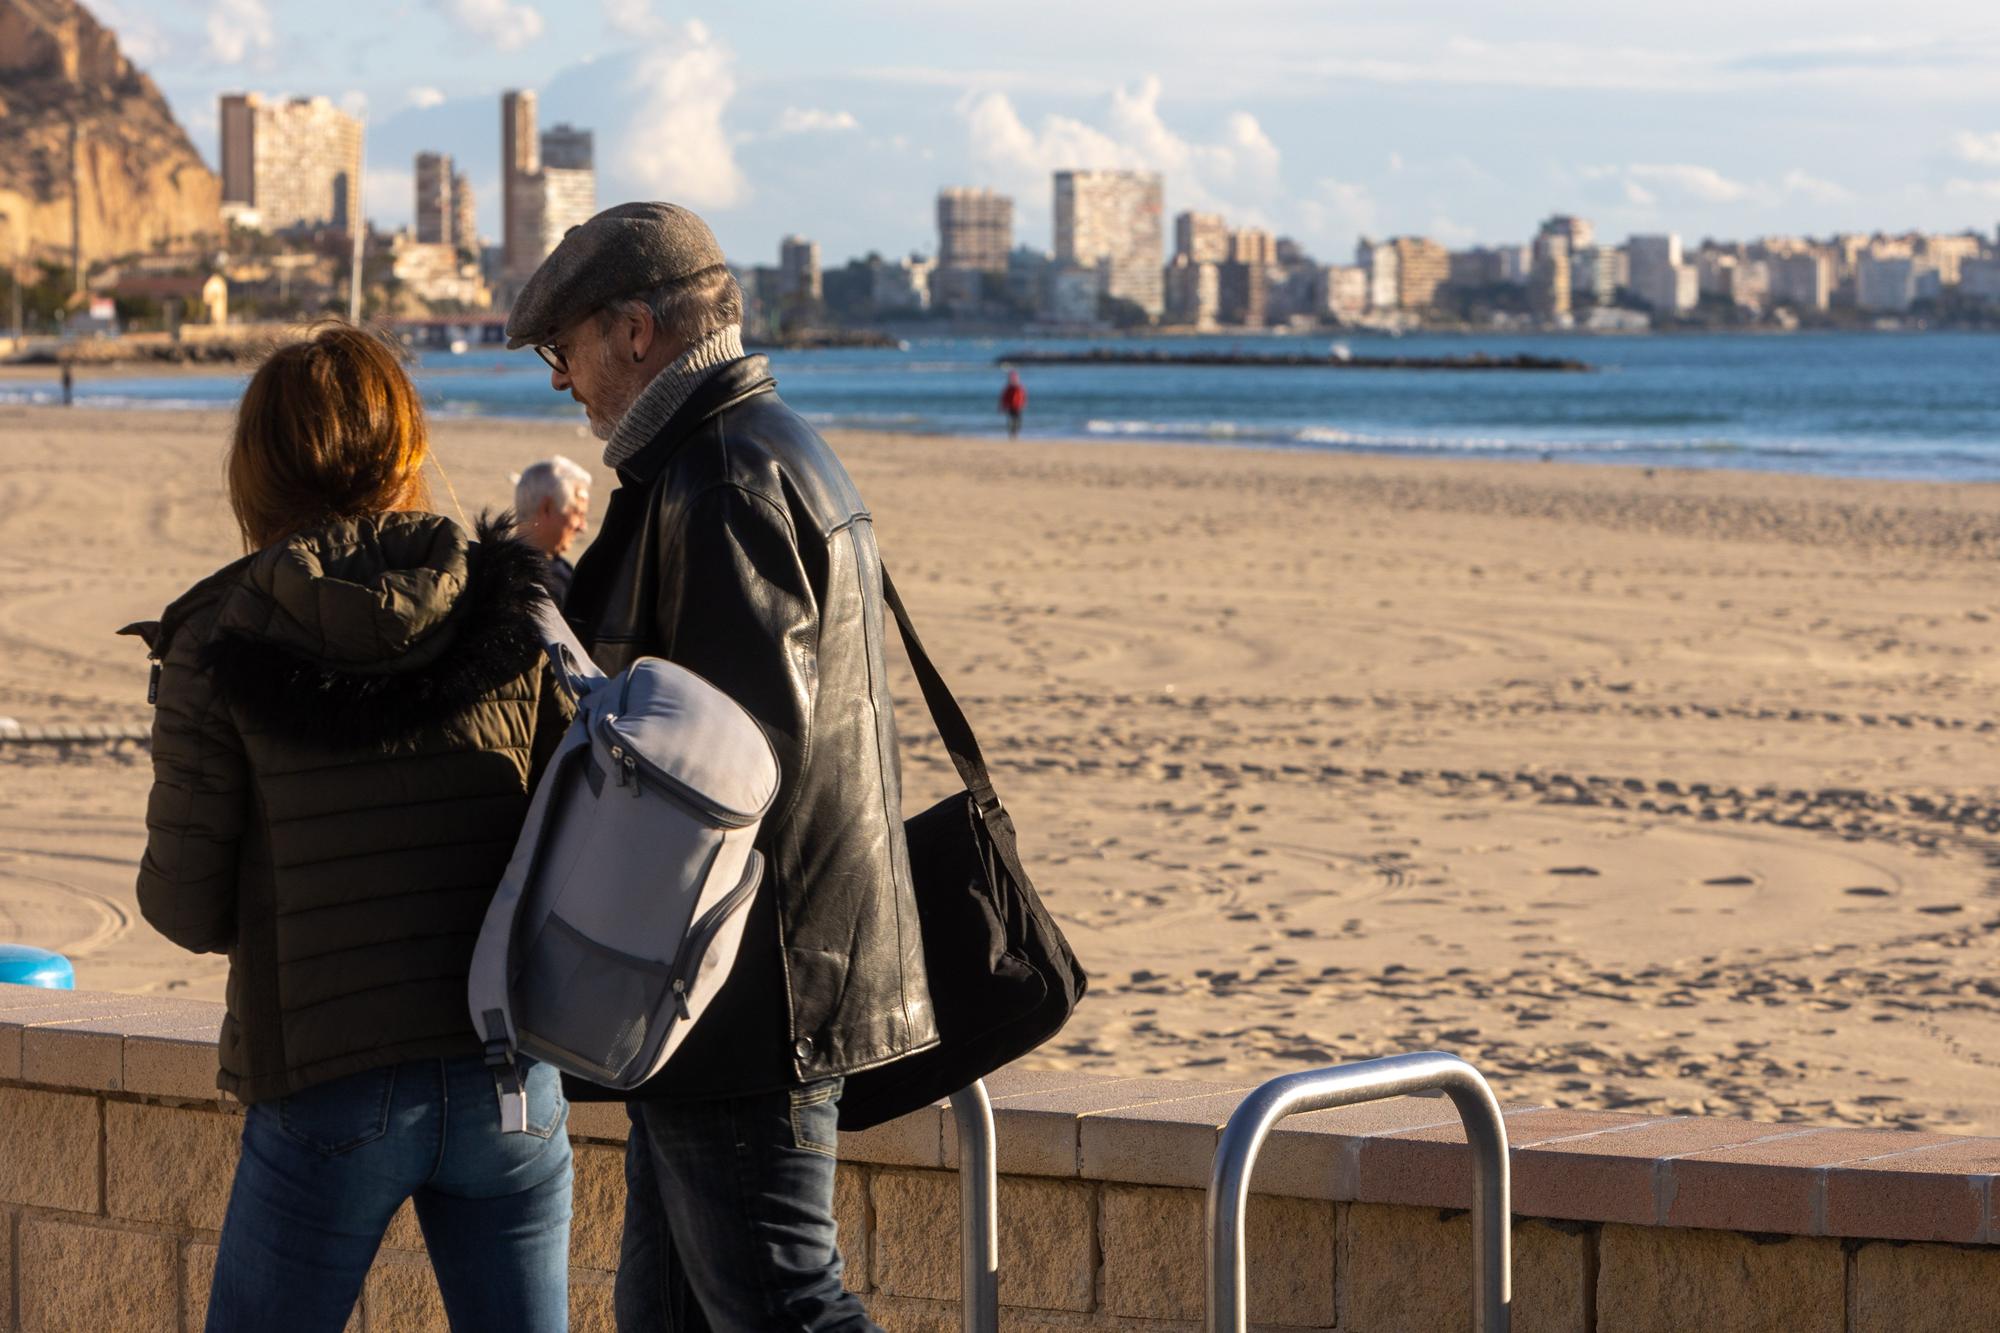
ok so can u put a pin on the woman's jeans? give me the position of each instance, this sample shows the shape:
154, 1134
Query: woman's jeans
324, 1170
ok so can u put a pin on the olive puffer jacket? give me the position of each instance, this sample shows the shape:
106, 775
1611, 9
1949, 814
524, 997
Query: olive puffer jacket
348, 726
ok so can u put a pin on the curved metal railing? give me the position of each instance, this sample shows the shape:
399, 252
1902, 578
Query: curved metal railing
978, 1210
1345, 1085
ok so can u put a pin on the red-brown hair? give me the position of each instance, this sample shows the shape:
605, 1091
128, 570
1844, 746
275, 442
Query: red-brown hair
330, 428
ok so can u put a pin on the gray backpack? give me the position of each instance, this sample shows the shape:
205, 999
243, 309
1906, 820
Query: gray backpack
621, 911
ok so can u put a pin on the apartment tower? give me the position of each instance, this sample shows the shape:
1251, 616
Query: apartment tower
289, 164
1111, 221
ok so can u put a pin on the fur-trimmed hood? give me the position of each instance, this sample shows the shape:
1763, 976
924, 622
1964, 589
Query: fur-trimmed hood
367, 632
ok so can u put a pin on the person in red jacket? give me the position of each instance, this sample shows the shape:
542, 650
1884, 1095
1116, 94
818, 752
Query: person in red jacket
1014, 401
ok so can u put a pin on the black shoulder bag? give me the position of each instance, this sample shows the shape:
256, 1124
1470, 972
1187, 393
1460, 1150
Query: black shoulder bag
1002, 977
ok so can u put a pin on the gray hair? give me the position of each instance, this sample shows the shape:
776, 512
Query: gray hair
553, 480
685, 311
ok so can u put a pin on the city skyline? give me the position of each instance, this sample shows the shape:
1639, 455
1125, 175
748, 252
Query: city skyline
765, 124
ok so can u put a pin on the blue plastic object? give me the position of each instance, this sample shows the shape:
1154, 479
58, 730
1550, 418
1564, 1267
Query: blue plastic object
25, 965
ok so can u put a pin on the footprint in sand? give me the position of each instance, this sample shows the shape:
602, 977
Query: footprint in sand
1871, 891
1590, 871
1941, 909
1732, 882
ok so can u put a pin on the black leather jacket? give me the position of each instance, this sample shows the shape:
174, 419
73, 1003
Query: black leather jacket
737, 546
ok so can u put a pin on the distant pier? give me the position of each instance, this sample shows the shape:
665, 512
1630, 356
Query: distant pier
1116, 356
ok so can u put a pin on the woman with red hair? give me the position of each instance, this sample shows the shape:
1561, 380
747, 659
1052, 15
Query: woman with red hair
350, 719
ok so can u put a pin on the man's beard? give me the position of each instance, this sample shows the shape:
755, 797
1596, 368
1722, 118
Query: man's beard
605, 424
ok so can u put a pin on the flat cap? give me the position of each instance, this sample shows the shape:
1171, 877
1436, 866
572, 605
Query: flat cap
623, 250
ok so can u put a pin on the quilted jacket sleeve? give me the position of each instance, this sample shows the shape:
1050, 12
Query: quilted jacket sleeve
196, 812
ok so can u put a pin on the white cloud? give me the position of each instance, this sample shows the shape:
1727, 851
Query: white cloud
1239, 170
1698, 182
634, 18
1960, 188
504, 23
389, 195
1798, 182
1451, 232
1338, 208
237, 29
355, 103
425, 98
139, 37
675, 145
812, 120
1980, 148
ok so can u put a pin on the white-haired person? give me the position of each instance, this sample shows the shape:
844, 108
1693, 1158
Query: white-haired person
551, 510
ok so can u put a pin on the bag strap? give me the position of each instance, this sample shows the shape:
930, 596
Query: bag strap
571, 663
946, 715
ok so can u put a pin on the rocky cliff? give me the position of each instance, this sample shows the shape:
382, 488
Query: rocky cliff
140, 182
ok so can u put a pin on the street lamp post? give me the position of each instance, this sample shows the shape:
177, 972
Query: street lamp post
358, 228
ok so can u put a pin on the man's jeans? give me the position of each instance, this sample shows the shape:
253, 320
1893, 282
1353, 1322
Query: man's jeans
729, 1217
324, 1170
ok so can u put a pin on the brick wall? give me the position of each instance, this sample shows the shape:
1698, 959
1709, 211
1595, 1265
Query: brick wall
116, 1156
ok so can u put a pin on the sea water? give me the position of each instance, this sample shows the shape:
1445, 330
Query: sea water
1902, 405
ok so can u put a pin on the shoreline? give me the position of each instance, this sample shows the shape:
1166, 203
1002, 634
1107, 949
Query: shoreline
1559, 455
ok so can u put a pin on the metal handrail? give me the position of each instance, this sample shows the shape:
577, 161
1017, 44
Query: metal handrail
1345, 1085
978, 1209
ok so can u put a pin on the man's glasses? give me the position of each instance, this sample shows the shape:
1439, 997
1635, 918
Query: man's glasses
554, 355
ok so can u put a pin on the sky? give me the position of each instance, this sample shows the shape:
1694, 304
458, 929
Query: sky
1464, 120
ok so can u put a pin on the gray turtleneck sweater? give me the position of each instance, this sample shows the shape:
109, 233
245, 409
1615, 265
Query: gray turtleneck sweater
659, 400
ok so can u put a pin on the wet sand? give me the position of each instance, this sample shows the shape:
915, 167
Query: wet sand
1650, 790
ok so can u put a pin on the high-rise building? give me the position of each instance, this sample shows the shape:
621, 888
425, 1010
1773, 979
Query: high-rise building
1576, 233
1253, 245
1422, 266
1202, 237
1549, 279
1947, 253
464, 214
900, 287
566, 148
1193, 291
520, 160
1342, 292
1243, 293
1802, 281
1886, 284
436, 214
569, 184
1111, 221
1028, 271
1597, 272
1474, 268
975, 229
798, 271
291, 163
1979, 279
1380, 264
548, 185
1659, 278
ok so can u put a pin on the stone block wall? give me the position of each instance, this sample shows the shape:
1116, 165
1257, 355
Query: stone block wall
116, 1157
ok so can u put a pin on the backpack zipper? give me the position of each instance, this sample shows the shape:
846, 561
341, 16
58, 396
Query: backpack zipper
634, 771
695, 947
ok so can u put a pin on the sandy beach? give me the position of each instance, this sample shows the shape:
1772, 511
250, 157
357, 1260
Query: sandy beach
1652, 790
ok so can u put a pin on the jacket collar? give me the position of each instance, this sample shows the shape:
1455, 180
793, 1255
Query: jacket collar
728, 386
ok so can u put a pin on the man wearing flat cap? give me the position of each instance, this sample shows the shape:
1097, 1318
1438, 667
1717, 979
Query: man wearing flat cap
737, 546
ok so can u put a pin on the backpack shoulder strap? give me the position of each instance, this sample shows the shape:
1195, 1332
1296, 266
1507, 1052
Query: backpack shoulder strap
567, 657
